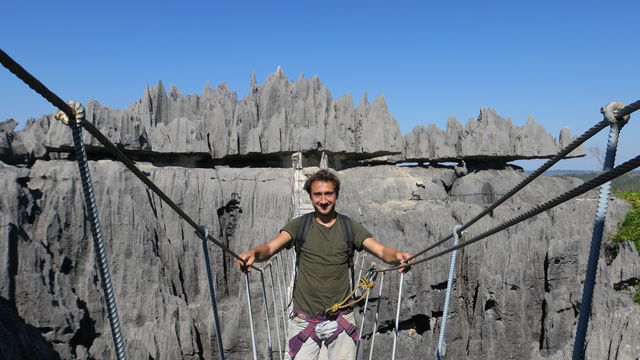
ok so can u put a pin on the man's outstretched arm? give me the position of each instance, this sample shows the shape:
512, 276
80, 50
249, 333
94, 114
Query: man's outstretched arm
385, 253
263, 252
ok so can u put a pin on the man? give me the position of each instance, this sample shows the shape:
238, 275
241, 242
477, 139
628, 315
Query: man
322, 277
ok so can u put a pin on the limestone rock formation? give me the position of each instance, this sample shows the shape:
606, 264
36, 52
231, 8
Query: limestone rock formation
517, 294
490, 136
275, 119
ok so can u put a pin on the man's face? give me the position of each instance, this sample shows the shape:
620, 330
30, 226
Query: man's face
323, 197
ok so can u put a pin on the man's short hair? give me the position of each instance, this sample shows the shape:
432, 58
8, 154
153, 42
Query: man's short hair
323, 175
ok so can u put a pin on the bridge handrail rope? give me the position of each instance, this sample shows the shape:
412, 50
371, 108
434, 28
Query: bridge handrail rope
579, 190
621, 113
56, 101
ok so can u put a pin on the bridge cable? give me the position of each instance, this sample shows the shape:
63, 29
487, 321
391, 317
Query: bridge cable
579, 190
620, 113
43, 91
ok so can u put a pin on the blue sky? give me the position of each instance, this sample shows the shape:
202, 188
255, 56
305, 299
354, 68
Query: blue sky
559, 61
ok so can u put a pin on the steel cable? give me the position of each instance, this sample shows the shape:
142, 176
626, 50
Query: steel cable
579, 190
56, 101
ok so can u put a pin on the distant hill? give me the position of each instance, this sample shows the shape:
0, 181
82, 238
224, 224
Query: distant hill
625, 183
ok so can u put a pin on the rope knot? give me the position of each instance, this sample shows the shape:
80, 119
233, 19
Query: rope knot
609, 111
77, 108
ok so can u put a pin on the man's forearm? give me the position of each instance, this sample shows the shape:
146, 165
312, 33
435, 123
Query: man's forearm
262, 253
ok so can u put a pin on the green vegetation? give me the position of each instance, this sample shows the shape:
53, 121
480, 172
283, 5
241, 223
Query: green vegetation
630, 227
636, 298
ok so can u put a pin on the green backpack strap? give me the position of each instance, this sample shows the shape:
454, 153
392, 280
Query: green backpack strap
345, 222
301, 235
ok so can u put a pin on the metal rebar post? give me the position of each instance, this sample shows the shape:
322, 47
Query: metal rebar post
596, 242
98, 241
447, 298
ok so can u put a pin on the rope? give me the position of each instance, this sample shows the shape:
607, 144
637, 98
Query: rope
544, 167
212, 291
365, 284
447, 297
96, 231
266, 315
43, 91
375, 323
253, 334
596, 236
619, 114
275, 313
579, 190
395, 330
364, 312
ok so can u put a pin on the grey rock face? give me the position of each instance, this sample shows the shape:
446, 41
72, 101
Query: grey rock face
489, 136
516, 295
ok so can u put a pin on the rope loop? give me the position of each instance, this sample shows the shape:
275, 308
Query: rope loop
77, 108
609, 111
365, 284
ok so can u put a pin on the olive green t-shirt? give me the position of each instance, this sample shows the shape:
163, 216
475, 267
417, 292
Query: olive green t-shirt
323, 270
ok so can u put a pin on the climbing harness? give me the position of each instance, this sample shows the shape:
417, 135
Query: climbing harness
447, 298
295, 343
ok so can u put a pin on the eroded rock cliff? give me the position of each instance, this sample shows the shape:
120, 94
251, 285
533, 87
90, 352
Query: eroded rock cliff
517, 294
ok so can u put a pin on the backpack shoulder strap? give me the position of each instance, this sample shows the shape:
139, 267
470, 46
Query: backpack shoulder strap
345, 222
301, 235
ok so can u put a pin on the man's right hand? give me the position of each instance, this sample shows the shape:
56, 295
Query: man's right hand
249, 257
